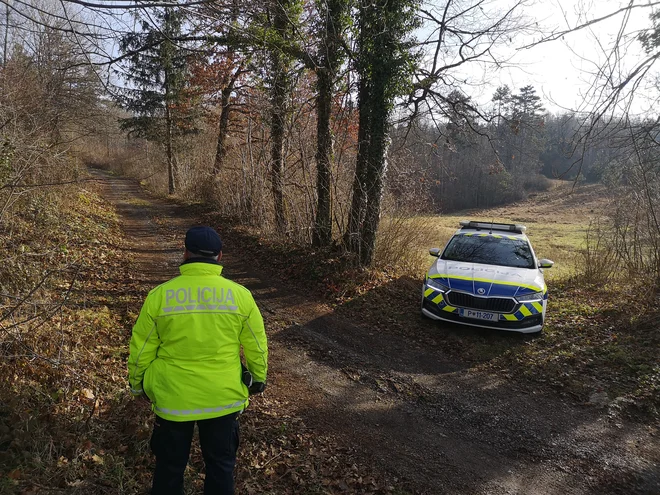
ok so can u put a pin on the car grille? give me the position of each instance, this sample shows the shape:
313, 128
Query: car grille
496, 304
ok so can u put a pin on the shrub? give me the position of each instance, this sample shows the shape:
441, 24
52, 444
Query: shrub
402, 242
599, 262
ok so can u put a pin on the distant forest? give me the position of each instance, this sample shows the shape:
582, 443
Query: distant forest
477, 161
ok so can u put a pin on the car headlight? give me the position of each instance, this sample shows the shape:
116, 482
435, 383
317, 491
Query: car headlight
434, 284
534, 296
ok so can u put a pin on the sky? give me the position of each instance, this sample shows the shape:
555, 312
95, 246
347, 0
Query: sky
562, 71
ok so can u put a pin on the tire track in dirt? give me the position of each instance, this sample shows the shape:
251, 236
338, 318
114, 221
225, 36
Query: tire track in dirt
417, 413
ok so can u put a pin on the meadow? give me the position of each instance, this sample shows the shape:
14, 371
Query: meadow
557, 223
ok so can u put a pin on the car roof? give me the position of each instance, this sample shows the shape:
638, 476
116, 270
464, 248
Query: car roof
494, 233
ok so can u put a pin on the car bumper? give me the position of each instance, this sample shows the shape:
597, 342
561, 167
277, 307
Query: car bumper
531, 324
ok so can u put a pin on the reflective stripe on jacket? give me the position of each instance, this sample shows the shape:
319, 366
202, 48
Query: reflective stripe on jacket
185, 347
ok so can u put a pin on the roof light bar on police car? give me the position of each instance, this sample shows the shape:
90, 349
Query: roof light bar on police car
506, 227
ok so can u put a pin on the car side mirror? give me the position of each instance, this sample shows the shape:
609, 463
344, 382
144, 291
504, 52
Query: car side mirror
435, 252
546, 263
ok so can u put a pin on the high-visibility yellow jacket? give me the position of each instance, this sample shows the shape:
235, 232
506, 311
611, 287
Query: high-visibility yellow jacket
185, 347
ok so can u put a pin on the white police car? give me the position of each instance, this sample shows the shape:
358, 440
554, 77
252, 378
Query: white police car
487, 276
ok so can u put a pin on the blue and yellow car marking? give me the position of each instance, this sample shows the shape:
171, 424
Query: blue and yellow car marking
438, 298
525, 310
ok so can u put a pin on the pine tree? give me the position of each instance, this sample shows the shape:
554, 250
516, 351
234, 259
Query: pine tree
158, 93
502, 98
527, 124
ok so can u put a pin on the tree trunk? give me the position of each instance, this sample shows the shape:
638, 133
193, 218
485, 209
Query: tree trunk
375, 173
352, 240
382, 63
171, 167
277, 131
277, 165
168, 84
223, 127
225, 101
4, 50
334, 20
322, 235
279, 92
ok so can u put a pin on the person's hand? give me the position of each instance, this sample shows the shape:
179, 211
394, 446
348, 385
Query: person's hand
246, 376
257, 388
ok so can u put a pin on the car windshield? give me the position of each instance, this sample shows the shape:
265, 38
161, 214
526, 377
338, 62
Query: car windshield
489, 250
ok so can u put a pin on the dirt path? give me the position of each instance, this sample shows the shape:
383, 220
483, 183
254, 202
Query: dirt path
415, 412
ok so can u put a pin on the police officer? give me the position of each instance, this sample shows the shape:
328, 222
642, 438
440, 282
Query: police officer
185, 359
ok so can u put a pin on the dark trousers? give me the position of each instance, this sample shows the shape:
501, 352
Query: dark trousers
170, 443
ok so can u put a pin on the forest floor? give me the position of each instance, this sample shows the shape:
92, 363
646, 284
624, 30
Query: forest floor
366, 396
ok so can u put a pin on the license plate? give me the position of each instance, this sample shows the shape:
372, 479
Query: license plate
478, 315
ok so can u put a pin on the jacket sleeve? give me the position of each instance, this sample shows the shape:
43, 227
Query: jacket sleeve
143, 348
255, 345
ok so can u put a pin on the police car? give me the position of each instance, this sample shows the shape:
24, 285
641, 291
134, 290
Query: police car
487, 276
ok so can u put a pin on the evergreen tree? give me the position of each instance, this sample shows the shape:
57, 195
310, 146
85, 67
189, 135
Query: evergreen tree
158, 93
502, 99
504, 144
527, 124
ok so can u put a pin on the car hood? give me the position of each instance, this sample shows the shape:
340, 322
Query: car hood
487, 280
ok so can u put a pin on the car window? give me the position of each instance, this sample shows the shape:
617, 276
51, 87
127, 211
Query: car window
489, 250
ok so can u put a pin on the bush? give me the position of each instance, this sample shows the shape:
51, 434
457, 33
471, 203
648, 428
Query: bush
536, 183
625, 241
599, 262
402, 243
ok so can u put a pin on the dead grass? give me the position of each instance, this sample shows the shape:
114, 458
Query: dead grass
400, 237
561, 243
591, 346
62, 364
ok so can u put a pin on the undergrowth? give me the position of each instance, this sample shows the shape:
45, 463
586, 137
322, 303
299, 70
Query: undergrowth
597, 348
62, 347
